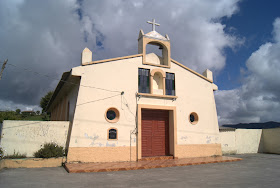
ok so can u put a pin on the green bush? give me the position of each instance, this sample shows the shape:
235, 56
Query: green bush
50, 150
15, 156
1, 153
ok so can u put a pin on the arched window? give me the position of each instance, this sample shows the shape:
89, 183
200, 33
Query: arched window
112, 134
156, 82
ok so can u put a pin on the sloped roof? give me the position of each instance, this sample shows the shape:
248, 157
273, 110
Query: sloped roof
155, 35
64, 77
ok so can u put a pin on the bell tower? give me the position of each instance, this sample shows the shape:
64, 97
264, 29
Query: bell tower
156, 39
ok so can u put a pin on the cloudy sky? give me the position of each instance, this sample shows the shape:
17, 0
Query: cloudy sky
238, 40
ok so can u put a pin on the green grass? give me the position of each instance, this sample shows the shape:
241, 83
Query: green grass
11, 115
15, 156
34, 118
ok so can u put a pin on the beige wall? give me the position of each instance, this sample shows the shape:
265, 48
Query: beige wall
271, 140
90, 127
241, 141
198, 150
228, 142
26, 137
60, 110
194, 95
101, 154
248, 140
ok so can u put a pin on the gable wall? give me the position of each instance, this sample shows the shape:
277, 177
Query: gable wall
89, 124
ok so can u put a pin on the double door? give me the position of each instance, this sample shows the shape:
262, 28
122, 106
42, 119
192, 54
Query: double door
155, 133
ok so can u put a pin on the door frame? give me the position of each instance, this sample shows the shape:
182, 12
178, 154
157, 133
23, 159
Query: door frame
172, 127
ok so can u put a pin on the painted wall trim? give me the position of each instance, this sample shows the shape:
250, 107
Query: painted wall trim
153, 71
157, 96
113, 59
156, 65
192, 71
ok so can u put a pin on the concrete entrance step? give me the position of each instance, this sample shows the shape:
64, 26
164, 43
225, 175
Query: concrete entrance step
137, 165
156, 158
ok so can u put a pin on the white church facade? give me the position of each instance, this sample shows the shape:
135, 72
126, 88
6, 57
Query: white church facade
133, 107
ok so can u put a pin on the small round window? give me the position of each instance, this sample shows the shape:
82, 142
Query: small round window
193, 118
112, 115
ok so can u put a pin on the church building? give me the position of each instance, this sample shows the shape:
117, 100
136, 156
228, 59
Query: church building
138, 106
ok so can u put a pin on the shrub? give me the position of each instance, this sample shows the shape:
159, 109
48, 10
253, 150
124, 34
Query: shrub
50, 150
1, 153
15, 156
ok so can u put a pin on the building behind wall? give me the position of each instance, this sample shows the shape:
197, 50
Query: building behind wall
137, 106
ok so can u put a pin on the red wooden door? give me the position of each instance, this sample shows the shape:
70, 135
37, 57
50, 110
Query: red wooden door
155, 133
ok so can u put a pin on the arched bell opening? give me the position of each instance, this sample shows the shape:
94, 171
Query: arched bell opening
156, 53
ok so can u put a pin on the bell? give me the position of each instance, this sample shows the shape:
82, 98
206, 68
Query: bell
160, 47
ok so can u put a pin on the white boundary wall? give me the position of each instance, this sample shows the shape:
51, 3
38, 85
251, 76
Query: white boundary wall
240, 141
248, 140
26, 137
271, 139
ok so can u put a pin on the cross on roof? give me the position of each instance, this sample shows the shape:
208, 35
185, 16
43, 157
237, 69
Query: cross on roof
154, 24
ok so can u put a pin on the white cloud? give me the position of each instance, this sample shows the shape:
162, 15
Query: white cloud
258, 99
11, 106
48, 37
276, 30
197, 37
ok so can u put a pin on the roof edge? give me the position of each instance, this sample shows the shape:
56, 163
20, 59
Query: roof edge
192, 71
113, 59
60, 84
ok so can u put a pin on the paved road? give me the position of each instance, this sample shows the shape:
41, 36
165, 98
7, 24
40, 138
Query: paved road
256, 170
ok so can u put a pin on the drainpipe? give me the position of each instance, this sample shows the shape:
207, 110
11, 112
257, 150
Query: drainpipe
131, 132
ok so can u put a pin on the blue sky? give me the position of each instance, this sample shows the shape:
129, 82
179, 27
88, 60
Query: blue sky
254, 23
239, 40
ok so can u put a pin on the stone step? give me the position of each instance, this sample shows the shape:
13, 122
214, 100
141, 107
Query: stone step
137, 165
156, 158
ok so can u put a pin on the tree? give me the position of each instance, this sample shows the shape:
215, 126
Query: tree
45, 101
38, 112
8, 115
18, 111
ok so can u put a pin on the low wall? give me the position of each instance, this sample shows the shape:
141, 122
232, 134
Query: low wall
248, 140
27, 137
271, 139
228, 142
240, 141
31, 162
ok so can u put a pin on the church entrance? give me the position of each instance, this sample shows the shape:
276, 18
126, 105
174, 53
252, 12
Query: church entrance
155, 132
